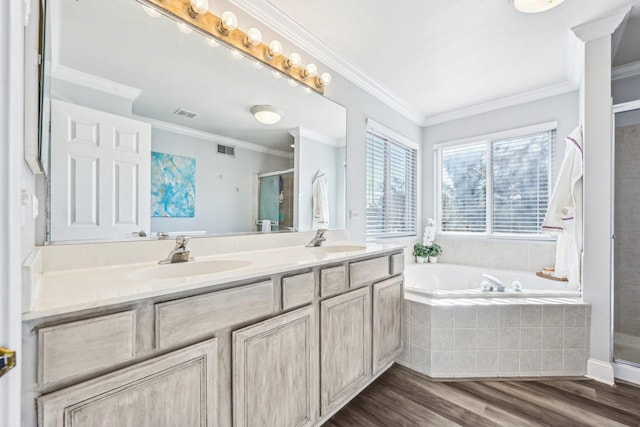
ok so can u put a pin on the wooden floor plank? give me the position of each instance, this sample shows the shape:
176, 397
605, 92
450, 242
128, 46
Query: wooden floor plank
402, 397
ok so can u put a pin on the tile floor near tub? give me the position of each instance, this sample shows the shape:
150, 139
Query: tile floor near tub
491, 341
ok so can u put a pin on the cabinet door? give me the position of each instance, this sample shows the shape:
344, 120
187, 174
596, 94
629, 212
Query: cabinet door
387, 322
275, 371
345, 334
176, 389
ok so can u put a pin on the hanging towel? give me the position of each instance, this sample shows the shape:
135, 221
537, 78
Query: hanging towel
320, 202
564, 216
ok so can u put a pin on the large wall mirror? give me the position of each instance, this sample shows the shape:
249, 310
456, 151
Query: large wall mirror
148, 128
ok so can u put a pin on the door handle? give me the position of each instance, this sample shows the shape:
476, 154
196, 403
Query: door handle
7, 360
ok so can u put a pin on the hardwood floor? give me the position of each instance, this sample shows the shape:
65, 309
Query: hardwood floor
402, 397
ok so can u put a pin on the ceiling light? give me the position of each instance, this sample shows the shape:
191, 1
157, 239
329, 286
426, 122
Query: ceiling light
197, 8
266, 114
151, 11
212, 42
275, 49
294, 60
535, 6
253, 37
184, 28
228, 22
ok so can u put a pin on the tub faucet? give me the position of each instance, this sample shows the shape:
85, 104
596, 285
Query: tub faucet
499, 286
180, 253
318, 238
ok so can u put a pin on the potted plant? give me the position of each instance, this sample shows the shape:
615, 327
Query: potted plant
434, 251
420, 252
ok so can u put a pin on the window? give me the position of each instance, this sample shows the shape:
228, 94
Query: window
495, 187
391, 183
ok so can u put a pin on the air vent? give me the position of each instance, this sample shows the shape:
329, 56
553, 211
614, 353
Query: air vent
227, 150
185, 113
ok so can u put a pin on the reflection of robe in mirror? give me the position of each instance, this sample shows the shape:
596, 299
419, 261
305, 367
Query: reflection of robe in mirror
320, 201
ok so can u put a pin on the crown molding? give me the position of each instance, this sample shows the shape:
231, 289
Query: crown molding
602, 27
509, 101
316, 136
71, 75
624, 71
274, 18
212, 137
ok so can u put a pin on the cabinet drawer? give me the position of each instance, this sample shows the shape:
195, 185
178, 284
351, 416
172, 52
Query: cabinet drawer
187, 319
369, 271
333, 280
297, 290
85, 346
397, 264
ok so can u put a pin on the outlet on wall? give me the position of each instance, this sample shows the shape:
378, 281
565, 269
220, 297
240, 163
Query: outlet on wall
354, 214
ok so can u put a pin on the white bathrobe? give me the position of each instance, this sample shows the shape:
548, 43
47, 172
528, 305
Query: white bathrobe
564, 216
320, 202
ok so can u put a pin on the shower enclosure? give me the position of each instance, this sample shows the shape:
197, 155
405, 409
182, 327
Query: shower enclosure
275, 200
626, 273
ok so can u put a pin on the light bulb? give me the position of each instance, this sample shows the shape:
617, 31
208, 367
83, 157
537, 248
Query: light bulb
325, 78
275, 49
184, 28
276, 74
310, 70
294, 60
236, 54
151, 11
253, 37
198, 7
228, 22
293, 83
212, 42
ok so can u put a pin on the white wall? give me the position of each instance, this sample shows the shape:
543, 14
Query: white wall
562, 108
225, 185
313, 156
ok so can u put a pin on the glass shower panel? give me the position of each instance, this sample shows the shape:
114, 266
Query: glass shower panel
627, 238
268, 203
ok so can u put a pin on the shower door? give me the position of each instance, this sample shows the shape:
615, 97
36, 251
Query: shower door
626, 282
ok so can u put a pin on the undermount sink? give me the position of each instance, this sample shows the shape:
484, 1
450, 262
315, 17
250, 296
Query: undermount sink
339, 248
187, 269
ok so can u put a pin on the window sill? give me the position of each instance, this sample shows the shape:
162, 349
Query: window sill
541, 239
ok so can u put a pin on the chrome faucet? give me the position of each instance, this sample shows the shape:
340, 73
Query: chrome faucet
318, 238
180, 253
499, 286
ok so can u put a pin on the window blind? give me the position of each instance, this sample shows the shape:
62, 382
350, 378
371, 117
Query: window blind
391, 186
496, 187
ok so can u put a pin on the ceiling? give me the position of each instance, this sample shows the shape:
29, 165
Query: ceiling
438, 56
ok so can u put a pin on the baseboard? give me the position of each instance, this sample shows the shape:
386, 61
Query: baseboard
627, 372
600, 371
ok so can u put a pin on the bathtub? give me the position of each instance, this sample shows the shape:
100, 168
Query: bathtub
460, 281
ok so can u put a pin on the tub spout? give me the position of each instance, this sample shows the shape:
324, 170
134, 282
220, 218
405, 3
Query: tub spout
498, 285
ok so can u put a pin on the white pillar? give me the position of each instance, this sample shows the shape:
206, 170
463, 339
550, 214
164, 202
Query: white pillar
596, 118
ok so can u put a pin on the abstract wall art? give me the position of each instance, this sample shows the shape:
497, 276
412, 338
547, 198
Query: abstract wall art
173, 185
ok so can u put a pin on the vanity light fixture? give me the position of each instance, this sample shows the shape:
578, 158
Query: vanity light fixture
195, 15
197, 8
266, 114
535, 6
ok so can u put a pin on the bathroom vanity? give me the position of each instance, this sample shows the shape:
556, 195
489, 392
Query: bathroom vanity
284, 339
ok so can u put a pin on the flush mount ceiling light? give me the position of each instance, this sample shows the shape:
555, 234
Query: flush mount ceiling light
535, 6
266, 114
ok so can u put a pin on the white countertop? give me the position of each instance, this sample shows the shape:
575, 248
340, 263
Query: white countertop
65, 291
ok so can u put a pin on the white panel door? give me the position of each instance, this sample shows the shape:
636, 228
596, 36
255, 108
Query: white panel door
100, 174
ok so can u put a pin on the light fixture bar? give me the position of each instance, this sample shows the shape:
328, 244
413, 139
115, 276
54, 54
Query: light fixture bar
208, 24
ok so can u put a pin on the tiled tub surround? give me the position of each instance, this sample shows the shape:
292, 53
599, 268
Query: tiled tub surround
493, 337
